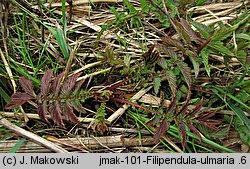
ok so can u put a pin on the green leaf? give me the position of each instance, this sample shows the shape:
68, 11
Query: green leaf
204, 54
157, 84
144, 6
131, 8
238, 111
17, 145
200, 2
243, 36
195, 64
117, 15
64, 19
222, 34
4, 95
220, 47
203, 29
163, 63
233, 97
242, 56
61, 39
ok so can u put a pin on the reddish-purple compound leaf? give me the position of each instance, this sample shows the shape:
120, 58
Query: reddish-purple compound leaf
68, 113
186, 71
69, 83
195, 130
172, 42
183, 109
210, 124
172, 107
26, 85
78, 85
185, 106
196, 109
182, 129
18, 99
182, 32
161, 130
208, 115
56, 83
45, 84
193, 35
56, 114
42, 112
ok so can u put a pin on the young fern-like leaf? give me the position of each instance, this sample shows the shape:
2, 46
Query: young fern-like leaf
100, 122
68, 111
196, 109
18, 98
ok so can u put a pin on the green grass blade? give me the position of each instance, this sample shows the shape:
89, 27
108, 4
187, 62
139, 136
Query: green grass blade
64, 19
17, 145
235, 109
4, 95
61, 39
232, 97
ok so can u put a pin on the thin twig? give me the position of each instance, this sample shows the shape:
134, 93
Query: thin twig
31, 136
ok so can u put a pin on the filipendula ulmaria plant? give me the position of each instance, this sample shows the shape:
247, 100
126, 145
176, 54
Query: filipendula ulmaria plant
58, 97
185, 119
